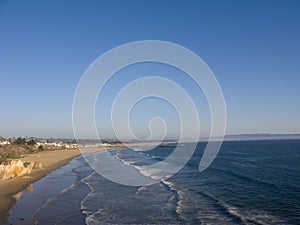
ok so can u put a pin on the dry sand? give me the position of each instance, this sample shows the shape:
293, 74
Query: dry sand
50, 160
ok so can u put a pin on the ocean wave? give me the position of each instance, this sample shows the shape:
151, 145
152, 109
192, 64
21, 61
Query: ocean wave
82, 204
177, 196
249, 216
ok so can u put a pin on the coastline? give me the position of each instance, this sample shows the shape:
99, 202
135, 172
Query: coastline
50, 160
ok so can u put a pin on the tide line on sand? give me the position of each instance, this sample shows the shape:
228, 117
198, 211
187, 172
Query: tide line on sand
50, 160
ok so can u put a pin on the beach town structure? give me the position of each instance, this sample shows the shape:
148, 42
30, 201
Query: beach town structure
61, 144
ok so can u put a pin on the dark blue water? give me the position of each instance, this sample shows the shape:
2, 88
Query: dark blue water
250, 182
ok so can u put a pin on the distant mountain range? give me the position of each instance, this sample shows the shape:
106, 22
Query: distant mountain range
261, 136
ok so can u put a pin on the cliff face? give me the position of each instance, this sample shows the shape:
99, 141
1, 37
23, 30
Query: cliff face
16, 168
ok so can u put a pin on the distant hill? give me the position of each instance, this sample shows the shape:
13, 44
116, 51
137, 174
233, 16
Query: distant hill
262, 136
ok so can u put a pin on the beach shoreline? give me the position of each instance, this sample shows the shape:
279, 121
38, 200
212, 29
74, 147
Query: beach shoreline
50, 160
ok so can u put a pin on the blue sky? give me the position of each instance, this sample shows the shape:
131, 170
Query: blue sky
252, 47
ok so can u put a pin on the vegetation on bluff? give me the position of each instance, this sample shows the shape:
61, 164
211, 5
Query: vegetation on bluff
18, 148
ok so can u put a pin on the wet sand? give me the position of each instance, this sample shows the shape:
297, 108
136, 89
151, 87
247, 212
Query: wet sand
50, 160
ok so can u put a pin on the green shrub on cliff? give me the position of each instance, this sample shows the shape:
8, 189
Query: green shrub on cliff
31, 142
20, 141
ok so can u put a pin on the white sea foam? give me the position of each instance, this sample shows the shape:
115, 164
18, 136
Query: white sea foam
82, 204
153, 173
250, 216
178, 194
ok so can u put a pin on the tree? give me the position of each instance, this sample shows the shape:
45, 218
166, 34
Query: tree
31, 142
20, 141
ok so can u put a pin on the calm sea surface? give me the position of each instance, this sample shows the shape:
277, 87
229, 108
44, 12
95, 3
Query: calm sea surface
250, 182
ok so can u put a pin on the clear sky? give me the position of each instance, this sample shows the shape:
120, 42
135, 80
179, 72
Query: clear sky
253, 48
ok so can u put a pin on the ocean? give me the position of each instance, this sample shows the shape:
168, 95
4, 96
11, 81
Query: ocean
249, 182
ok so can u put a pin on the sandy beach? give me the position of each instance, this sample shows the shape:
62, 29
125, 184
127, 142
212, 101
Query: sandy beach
50, 160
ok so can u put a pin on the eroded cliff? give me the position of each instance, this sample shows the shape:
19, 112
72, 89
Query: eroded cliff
16, 168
